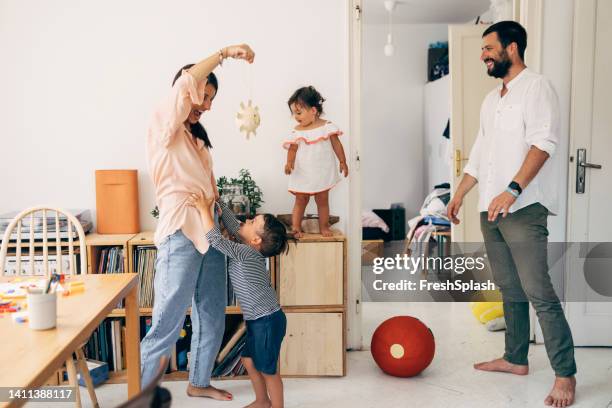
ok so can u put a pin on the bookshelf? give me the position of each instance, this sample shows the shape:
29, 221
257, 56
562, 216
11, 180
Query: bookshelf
130, 245
311, 282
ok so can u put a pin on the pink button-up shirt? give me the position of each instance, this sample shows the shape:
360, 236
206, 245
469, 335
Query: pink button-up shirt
178, 163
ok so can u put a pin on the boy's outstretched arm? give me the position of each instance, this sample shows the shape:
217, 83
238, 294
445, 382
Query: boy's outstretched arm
232, 224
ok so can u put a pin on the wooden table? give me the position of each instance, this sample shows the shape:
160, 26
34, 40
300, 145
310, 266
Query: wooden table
28, 357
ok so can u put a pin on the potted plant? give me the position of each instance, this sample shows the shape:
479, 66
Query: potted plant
249, 189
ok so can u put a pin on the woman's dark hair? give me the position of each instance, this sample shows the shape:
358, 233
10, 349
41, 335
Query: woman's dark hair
509, 32
274, 237
197, 130
309, 97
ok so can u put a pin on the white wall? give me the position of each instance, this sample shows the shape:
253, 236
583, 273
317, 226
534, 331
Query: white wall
392, 114
79, 81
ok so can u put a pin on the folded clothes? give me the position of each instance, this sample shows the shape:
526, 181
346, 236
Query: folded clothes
429, 219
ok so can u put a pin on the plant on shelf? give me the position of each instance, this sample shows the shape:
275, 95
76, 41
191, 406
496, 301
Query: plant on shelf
249, 189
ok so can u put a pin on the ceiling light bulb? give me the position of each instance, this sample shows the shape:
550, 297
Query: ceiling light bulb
389, 5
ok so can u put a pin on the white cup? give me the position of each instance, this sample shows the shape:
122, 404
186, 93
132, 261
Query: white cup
42, 310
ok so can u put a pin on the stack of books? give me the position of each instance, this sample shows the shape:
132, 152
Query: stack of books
111, 260
144, 264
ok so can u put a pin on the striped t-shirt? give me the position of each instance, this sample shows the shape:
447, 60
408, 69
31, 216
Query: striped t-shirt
247, 270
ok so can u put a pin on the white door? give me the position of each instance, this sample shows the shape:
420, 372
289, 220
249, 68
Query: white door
469, 85
591, 129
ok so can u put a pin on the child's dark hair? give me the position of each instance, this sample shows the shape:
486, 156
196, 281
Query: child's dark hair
197, 130
309, 97
274, 237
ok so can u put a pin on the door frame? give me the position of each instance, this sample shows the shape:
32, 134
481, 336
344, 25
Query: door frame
531, 16
353, 286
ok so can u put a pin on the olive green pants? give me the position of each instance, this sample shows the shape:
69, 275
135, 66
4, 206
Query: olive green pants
517, 251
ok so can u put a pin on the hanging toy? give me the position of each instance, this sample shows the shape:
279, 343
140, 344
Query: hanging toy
247, 118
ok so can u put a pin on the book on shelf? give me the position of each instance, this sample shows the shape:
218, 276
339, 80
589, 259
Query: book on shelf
231, 360
111, 260
107, 344
144, 264
117, 345
240, 331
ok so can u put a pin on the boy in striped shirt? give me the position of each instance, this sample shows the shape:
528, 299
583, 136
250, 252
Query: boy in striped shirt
259, 238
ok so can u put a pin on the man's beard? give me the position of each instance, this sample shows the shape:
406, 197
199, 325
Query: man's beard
501, 67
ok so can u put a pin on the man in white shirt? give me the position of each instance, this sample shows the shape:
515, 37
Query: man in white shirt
519, 131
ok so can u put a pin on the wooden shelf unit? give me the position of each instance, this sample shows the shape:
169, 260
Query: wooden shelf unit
312, 288
311, 282
95, 242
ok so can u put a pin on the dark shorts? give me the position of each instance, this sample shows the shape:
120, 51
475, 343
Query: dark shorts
263, 341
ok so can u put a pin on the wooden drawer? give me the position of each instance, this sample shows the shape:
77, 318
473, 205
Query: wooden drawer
313, 345
311, 274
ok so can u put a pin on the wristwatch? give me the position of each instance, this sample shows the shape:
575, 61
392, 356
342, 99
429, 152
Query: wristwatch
516, 187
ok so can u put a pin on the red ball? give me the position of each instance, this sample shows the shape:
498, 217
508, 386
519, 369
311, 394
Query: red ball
403, 346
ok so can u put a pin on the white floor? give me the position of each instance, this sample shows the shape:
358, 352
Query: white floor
449, 381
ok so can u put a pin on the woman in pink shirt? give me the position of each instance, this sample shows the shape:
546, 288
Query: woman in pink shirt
187, 271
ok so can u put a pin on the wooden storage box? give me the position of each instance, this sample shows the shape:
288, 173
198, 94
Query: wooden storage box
312, 274
313, 345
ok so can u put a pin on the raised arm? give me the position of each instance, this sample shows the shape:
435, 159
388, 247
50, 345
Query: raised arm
232, 249
229, 220
188, 90
201, 70
213, 235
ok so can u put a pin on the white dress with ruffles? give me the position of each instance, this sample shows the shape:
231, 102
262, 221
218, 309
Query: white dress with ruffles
316, 169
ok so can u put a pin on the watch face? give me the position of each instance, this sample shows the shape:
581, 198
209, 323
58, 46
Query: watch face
515, 186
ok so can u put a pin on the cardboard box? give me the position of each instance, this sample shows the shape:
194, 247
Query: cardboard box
371, 249
117, 209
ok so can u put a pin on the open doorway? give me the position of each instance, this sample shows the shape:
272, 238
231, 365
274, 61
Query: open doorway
407, 156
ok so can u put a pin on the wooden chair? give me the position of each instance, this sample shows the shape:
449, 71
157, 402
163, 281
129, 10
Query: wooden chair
153, 396
27, 220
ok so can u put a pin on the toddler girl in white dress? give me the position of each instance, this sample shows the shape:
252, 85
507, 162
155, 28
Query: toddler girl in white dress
311, 158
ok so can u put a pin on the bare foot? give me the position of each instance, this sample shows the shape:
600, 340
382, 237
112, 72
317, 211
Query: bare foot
503, 366
326, 232
259, 404
297, 234
209, 392
562, 393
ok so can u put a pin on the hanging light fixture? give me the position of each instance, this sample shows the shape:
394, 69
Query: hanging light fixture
389, 48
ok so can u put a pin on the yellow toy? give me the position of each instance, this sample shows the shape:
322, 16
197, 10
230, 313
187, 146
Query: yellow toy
491, 314
248, 119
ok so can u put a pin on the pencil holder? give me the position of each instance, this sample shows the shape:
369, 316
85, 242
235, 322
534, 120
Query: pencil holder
42, 310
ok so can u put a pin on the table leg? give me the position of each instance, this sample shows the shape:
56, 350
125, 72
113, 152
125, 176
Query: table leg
132, 341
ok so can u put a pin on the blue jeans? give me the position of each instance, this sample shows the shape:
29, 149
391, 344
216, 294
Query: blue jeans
184, 276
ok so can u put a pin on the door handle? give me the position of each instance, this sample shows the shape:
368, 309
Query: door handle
590, 165
581, 166
458, 161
